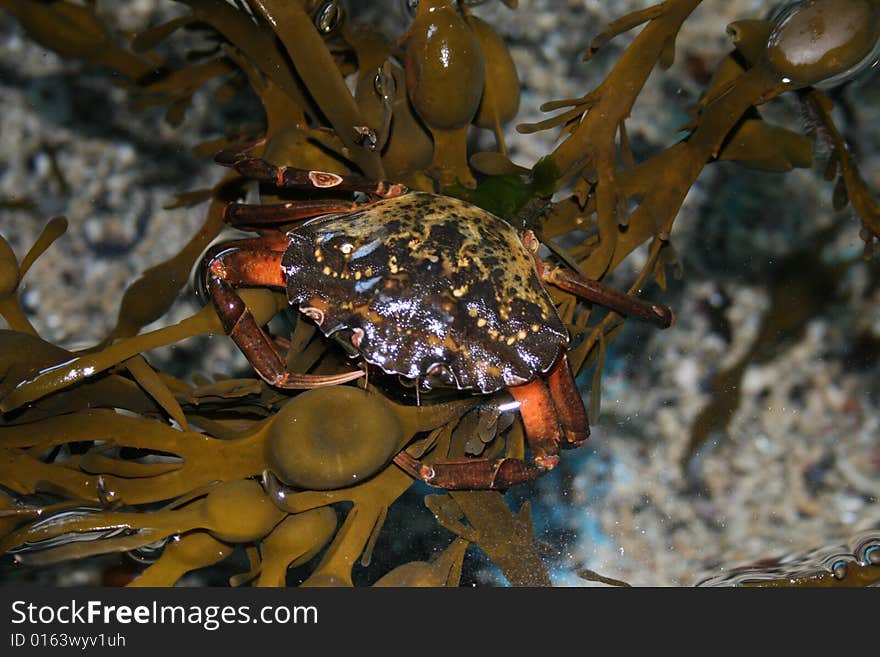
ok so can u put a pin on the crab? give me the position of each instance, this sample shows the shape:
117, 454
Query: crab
424, 286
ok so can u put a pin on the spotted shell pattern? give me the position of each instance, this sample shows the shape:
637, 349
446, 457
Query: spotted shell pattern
428, 287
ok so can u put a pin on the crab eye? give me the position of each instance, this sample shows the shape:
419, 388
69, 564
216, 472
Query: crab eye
314, 314
824, 42
350, 340
530, 241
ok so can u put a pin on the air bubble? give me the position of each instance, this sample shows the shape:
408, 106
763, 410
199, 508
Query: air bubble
328, 17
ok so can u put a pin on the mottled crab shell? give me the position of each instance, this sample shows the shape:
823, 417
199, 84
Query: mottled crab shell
428, 287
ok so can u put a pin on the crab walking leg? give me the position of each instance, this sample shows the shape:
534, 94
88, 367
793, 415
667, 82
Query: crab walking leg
293, 178
599, 293
569, 405
254, 263
471, 474
246, 215
543, 431
541, 421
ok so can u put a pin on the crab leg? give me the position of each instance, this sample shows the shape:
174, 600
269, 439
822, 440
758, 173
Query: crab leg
597, 292
541, 421
291, 177
255, 263
553, 414
569, 405
471, 474
245, 215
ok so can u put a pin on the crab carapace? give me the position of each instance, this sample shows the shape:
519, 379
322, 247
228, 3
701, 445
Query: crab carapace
421, 285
